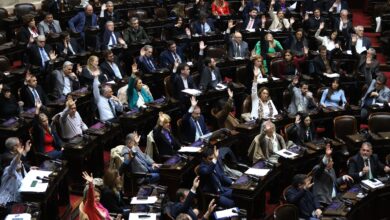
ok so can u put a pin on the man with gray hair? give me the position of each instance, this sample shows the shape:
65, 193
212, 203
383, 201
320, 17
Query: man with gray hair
146, 61
136, 161
12, 145
359, 41
41, 54
65, 80
368, 65
111, 38
108, 13
135, 33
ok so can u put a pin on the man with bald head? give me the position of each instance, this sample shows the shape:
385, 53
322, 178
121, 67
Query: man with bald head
237, 47
83, 20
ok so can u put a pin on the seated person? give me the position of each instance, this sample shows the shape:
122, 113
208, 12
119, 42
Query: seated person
137, 94
220, 8
193, 124
313, 22
207, 214
270, 49
135, 33
91, 206
185, 199
111, 193
266, 144
44, 136
333, 96
222, 111
301, 196
303, 130
71, 123
107, 104
237, 48
108, 13
13, 146
279, 23
213, 178
166, 143
298, 43
111, 38
365, 164
343, 24
29, 31
146, 60
359, 41
41, 54
330, 42
111, 67
262, 105
65, 81
325, 180
251, 22
138, 161
368, 65
210, 76
48, 25
68, 46
323, 63
179, 29
203, 25
301, 98
32, 93
9, 107
11, 180
256, 4
289, 67
181, 79
172, 54
258, 67
377, 92
92, 68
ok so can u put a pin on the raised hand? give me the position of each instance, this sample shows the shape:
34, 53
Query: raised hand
216, 152
195, 183
243, 3
292, 20
322, 25
354, 38
87, 177
255, 73
272, 2
306, 16
52, 55
142, 52
348, 178
27, 146
134, 68
297, 119
137, 137
328, 151
231, 24
194, 102
202, 46
104, 7
230, 93
188, 32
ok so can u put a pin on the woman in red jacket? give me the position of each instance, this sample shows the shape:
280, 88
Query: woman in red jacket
220, 8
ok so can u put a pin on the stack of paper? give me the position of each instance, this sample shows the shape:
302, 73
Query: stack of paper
149, 200
264, 80
286, 153
192, 92
257, 172
373, 183
332, 75
22, 216
143, 216
189, 149
227, 213
38, 186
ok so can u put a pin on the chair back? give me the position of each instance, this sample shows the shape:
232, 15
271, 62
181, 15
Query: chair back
284, 193
23, 9
286, 212
286, 99
3, 37
320, 91
242, 75
247, 104
275, 66
168, 87
379, 122
344, 125
161, 14
116, 158
3, 13
217, 52
4, 64
55, 124
139, 13
288, 134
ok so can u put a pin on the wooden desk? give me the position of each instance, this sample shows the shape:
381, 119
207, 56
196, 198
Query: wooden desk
151, 190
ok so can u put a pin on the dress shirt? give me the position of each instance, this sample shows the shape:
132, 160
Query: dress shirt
140, 101
116, 70
359, 45
71, 126
34, 33
35, 94
106, 112
274, 142
185, 82
205, 27
67, 85
250, 24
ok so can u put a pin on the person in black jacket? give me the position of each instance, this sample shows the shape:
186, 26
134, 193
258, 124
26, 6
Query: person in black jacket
181, 79
111, 67
9, 106
166, 143
303, 130
32, 93
185, 198
111, 194
29, 31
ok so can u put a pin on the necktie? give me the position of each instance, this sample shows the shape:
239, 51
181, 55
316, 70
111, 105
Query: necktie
44, 56
70, 49
113, 39
367, 164
250, 24
151, 64
198, 129
51, 28
112, 107
238, 52
36, 95
203, 29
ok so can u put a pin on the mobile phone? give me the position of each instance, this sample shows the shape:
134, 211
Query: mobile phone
34, 183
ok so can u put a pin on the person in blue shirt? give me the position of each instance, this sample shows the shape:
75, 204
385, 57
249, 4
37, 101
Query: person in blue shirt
136, 93
333, 96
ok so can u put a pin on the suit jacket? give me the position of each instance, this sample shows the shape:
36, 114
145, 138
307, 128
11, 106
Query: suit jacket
276, 22
304, 200
106, 69
131, 35
35, 55
178, 86
256, 23
298, 100
189, 129
319, 66
105, 39
366, 42
75, 46
59, 79
142, 61
346, 32
324, 181
368, 73
212, 177
260, 8
356, 164
140, 162
262, 147
112, 201
115, 17
24, 35
43, 27
205, 79
28, 98
198, 26
164, 146
312, 23
384, 94
38, 137
185, 207
235, 51
167, 60
297, 134
77, 22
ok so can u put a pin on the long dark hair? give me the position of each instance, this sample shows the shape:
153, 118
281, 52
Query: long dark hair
331, 90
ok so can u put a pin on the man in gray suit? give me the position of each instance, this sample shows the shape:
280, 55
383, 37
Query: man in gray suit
237, 47
137, 161
49, 25
65, 80
325, 179
377, 93
301, 98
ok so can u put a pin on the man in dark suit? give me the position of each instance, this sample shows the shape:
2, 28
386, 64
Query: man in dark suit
251, 22
313, 23
359, 41
323, 64
210, 75
301, 196
41, 54
181, 79
203, 25
82, 20
68, 46
193, 123
185, 198
365, 164
65, 81
343, 25
172, 54
111, 38
32, 93
12, 144
336, 6
257, 4
110, 67
135, 33
326, 183
108, 13
237, 48
377, 92
146, 61
213, 178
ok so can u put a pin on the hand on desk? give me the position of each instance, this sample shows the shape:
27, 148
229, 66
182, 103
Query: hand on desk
318, 213
347, 178
155, 166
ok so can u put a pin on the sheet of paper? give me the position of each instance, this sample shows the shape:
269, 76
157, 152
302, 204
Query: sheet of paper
293, 6
190, 149
144, 216
149, 200
21, 216
226, 213
111, 82
220, 86
360, 50
251, 30
262, 80
32, 176
257, 172
189, 63
373, 183
349, 52
193, 92
332, 75
286, 153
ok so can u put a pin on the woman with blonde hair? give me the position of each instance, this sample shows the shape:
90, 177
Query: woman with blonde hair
220, 8
270, 48
166, 143
90, 70
111, 194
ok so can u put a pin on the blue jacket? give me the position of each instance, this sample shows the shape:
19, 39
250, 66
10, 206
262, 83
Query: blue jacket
212, 177
304, 200
167, 60
189, 129
77, 23
185, 207
132, 94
